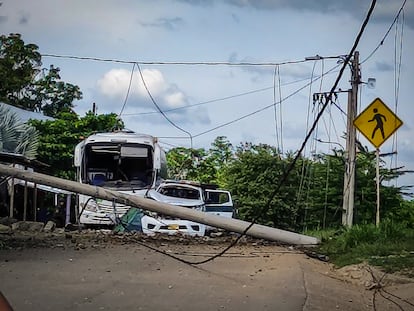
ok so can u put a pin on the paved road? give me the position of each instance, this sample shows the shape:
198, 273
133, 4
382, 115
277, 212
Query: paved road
132, 277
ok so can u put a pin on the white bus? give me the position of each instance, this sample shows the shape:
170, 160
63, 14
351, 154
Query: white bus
123, 161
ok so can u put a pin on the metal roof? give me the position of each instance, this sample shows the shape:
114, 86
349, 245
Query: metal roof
26, 115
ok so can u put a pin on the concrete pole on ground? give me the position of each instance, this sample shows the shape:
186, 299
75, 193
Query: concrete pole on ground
233, 225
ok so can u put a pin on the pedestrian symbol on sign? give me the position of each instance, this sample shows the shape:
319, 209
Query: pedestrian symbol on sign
377, 122
380, 124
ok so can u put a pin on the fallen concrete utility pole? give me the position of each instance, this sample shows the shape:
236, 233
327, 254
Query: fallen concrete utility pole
233, 225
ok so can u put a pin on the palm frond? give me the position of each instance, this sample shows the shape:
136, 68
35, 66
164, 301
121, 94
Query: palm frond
16, 136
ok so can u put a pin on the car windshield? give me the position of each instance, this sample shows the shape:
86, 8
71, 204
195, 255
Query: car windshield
178, 191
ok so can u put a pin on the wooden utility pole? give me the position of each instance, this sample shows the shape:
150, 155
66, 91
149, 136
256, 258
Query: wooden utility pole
230, 224
350, 152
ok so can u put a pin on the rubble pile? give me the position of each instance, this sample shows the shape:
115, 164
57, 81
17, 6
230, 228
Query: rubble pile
28, 234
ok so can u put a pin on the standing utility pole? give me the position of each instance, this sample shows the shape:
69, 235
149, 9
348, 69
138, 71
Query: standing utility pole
350, 152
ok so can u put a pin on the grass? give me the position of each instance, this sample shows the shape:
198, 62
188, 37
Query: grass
389, 246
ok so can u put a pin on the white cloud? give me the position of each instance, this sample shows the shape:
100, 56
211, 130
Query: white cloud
175, 100
154, 80
113, 87
115, 83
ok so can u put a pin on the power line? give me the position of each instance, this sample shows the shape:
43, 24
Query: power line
202, 103
259, 110
398, 48
249, 114
277, 74
112, 60
293, 163
386, 34
217, 99
274, 105
298, 154
159, 109
129, 88
168, 144
173, 137
302, 173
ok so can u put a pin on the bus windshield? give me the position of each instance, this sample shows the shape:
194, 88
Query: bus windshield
118, 165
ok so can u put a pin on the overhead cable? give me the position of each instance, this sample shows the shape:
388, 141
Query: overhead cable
202, 103
293, 163
112, 60
217, 99
279, 136
274, 105
316, 121
129, 88
160, 110
386, 34
299, 152
259, 110
302, 171
398, 48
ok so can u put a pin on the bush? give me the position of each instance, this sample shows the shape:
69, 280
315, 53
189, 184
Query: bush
372, 244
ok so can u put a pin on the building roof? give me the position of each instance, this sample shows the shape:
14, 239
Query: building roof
25, 115
15, 158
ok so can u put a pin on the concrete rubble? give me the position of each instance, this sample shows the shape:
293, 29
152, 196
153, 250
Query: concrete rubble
10, 225
5, 229
31, 226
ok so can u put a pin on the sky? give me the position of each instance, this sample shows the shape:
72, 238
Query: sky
242, 69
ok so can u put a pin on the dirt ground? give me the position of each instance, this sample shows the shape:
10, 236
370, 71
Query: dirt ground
101, 271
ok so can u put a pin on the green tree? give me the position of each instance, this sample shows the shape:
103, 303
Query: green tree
220, 155
253, 177
310, 198
324, 192
201, 165
183, 163
19, 65
326, 184
51, 95
59, 137
26, 85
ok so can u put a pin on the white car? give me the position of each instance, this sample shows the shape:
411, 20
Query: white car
218, 202
180, 194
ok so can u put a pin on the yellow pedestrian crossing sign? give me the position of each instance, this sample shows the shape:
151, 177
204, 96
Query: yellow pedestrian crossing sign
377, 122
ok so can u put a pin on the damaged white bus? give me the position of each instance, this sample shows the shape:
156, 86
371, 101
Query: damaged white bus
123, 161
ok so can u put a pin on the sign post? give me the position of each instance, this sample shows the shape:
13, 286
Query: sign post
377, 216
377, 123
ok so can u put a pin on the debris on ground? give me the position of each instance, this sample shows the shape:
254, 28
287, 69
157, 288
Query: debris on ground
5, 229
50, 226
370, 277
31, 226
36, 235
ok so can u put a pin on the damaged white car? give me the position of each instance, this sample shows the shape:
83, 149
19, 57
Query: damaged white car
179, 194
